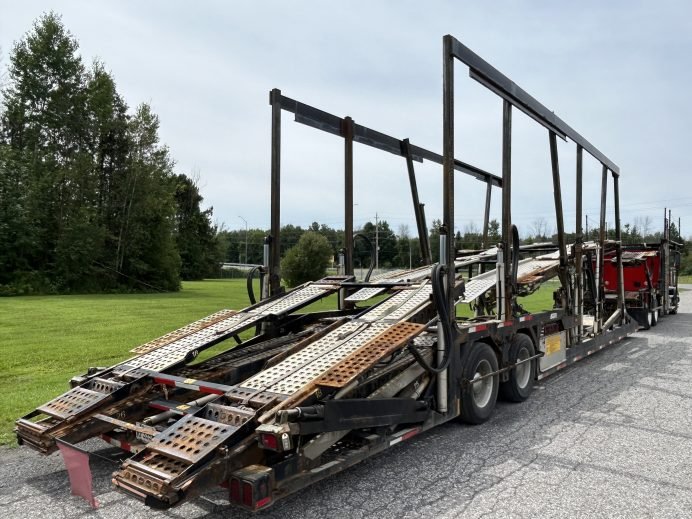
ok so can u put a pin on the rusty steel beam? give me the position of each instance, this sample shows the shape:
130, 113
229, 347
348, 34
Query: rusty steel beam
579, 239
275, 246
448, 168
486, 214
494, 80
507, 205
326, 122
417, 209
348, 195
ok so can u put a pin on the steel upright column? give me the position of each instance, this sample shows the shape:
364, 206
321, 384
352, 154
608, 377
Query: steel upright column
275, 255
448, 167
579, 240
486, 214
417, 206
602, 239
618, 237
557, 195
507, 205
348, 195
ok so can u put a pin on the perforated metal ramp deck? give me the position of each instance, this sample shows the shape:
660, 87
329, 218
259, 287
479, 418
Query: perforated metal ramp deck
183, 332
394, 278
187, 346
160, 355
305, 366
340, 355
480, 284
73, 402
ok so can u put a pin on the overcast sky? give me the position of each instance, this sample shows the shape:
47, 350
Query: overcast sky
618, 72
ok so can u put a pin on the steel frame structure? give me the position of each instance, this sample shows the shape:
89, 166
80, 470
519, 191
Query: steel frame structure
352, 132
514, 96
314, 394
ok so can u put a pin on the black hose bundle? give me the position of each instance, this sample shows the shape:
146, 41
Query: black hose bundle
250, 288
440, 299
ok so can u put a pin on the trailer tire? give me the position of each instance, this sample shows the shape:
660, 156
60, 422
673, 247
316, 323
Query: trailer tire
642, 316
649, 319
654, 317
520, 384
478, 400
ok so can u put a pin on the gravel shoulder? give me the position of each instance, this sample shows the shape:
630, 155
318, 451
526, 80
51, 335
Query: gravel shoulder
608, 437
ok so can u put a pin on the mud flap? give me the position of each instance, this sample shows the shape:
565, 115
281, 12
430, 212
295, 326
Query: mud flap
77, 465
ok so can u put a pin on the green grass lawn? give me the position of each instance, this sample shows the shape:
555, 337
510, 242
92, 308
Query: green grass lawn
48, 339
685, 280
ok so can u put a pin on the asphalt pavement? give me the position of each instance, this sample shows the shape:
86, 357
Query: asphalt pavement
608, 437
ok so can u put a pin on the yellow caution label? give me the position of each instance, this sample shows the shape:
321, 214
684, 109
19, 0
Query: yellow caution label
183, 407
552, 344
189, 381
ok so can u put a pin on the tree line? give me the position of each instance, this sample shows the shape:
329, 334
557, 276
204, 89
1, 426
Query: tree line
89, 196
90, 200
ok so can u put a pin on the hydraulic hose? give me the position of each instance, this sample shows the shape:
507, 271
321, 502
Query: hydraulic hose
250, 288
515, 257
373, 252
440, 299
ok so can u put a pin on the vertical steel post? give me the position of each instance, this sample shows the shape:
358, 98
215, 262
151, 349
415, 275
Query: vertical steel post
618, 238
486, 215
448, 167
348, 196
507, 206
448, 386
579, 240
665, 261
602, 239
275, 256
562, 246
417, 206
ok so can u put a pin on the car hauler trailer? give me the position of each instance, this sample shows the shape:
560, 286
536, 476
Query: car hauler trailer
310, 394
650, 272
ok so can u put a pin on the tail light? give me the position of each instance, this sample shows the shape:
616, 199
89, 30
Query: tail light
251, 487
275, 437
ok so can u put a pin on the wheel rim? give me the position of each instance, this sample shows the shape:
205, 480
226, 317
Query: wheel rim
523, 371
649, 318
482, 389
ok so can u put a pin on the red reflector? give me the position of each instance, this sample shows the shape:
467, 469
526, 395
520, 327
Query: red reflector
263, 502
247, 494
235, 490
410, 434
269, 441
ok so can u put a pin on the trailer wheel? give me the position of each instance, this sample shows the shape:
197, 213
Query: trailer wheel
520, 383
642, 316
478, 398
654, 317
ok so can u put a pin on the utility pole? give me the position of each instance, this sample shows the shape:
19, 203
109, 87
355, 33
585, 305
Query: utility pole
377, 243
587, 227
243, 219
